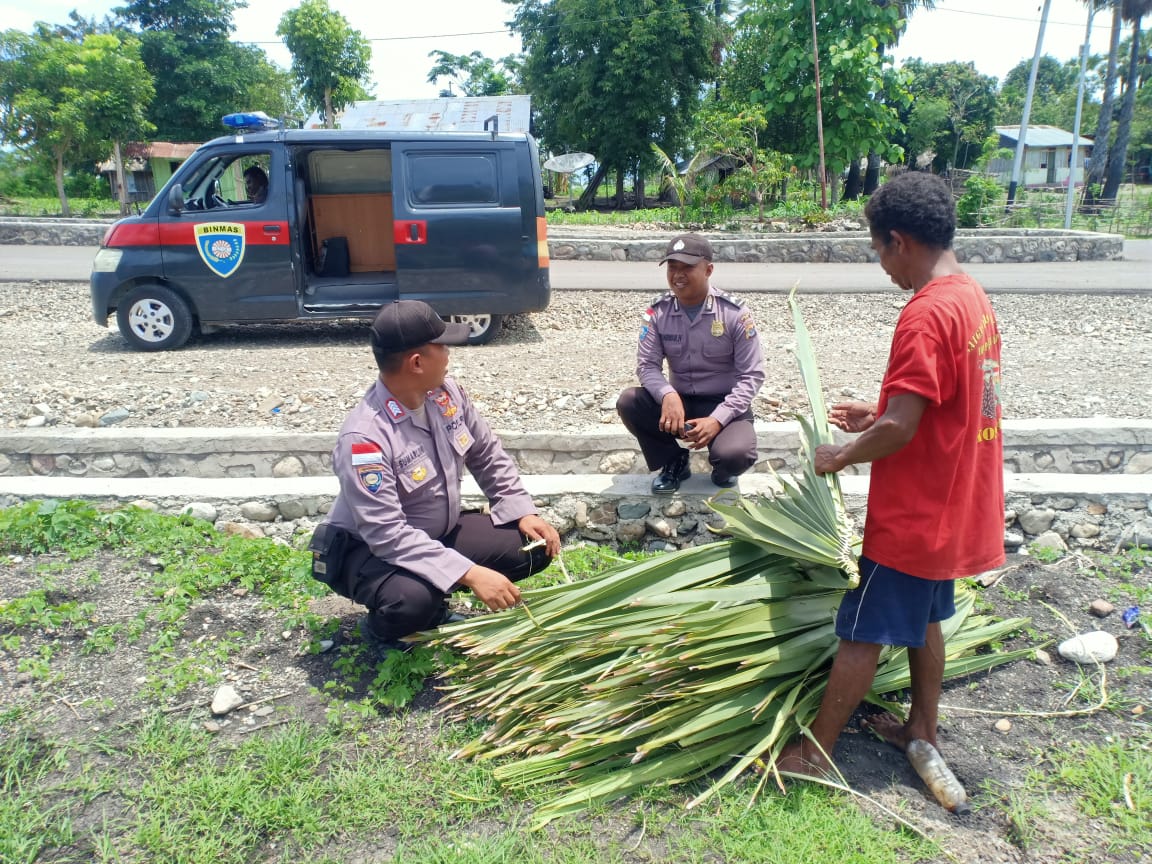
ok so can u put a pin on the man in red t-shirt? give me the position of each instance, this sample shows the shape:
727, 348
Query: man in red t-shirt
936, 493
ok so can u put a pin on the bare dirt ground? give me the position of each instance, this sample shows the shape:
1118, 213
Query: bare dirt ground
1052, 707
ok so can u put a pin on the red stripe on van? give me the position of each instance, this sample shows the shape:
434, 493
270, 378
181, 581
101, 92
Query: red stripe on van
260, 233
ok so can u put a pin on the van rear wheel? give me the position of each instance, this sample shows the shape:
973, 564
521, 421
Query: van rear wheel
484, 327
153, 318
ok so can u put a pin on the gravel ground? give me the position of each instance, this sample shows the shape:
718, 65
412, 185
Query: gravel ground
1064, 356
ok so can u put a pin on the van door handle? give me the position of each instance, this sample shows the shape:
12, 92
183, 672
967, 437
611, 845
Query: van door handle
271, 229
407, 232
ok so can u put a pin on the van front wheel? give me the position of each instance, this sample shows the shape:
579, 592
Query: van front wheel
484, 327
152, 318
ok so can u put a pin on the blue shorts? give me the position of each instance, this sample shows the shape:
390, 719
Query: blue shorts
893, 608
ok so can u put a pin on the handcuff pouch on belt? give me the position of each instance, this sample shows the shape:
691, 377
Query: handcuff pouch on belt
328, 547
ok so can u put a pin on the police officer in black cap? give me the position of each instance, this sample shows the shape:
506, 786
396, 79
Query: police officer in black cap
396, 539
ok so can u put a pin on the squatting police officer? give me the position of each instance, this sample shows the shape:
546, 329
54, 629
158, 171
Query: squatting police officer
715, 370
396, 540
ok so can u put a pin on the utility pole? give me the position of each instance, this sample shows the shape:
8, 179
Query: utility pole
1076, 124
1019, 160
819, 112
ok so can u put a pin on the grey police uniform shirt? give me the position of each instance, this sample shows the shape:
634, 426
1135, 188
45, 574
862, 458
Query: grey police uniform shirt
716, 353
400, 478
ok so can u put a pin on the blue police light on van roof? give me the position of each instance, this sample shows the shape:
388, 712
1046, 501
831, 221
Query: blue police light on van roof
250, 121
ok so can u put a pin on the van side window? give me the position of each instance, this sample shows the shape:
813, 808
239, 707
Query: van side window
229, 181
453, 179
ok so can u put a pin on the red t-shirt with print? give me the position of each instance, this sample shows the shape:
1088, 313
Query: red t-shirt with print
936, 507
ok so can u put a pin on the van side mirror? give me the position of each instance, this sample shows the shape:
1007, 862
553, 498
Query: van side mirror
492, 124
176, 199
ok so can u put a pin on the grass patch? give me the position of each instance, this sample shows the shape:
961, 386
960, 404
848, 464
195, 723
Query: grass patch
107, 617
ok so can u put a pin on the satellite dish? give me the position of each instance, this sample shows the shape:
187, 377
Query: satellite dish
566, 163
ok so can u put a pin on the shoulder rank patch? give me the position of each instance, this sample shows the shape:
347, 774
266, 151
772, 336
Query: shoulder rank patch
395, 409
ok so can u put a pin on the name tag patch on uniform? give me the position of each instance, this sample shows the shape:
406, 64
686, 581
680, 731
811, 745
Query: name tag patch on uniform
370, 477
395, 409
367, 454
717, 328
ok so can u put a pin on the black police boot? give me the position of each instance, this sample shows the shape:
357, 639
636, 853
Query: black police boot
672, 474
377, 645
724, 481
445, 616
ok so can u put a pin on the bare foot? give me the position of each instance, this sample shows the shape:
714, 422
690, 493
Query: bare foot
803, 757
888, 727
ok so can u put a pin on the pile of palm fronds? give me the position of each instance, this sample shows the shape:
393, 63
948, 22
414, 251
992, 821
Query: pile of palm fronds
665, 670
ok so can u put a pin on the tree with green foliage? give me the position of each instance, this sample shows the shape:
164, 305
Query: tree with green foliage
612, 77
1098, 163
772, 68
872, 173
958, 95
329, 58
1054, 100
1133, 12
62, 99
475, 74
200, 74
759, 173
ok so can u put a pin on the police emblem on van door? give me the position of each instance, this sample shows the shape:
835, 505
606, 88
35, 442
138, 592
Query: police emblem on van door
221, 245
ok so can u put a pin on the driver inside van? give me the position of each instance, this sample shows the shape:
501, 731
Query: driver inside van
255, 184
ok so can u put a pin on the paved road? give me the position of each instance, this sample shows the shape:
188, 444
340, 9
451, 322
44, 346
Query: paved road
1132, 275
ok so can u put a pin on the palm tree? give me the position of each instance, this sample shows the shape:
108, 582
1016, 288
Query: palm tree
1132, 10
872, 173
1099, 162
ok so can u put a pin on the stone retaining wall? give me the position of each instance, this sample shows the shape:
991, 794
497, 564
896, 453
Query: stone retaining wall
1096, 446
1059, 512
569, 243
849, 247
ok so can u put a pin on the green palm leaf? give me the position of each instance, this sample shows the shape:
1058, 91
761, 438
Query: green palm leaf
671, 669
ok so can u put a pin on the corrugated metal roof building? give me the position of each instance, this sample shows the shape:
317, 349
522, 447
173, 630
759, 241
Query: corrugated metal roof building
454, 114
1047, 155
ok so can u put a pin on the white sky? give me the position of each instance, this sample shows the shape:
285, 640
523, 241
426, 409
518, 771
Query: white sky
995, 34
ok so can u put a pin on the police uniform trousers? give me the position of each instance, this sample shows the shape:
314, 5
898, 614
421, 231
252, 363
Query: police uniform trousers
400, 602
732, 451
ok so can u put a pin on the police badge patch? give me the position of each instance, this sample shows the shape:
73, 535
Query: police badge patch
221, 245
370, 477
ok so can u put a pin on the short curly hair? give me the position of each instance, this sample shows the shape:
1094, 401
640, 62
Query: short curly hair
917, 204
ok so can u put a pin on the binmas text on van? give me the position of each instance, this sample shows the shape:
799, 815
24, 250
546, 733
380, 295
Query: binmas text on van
327, 224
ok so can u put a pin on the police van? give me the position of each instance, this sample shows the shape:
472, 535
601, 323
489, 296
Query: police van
269, 225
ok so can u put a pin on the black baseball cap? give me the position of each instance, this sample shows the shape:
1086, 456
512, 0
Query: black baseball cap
404, 324
689, 248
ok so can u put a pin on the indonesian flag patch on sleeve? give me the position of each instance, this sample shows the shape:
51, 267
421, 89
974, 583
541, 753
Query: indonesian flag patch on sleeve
367, 454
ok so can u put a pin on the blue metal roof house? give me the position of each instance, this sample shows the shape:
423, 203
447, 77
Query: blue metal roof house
1047, 156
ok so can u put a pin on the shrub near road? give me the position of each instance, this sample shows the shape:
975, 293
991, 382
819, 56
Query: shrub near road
115, 642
